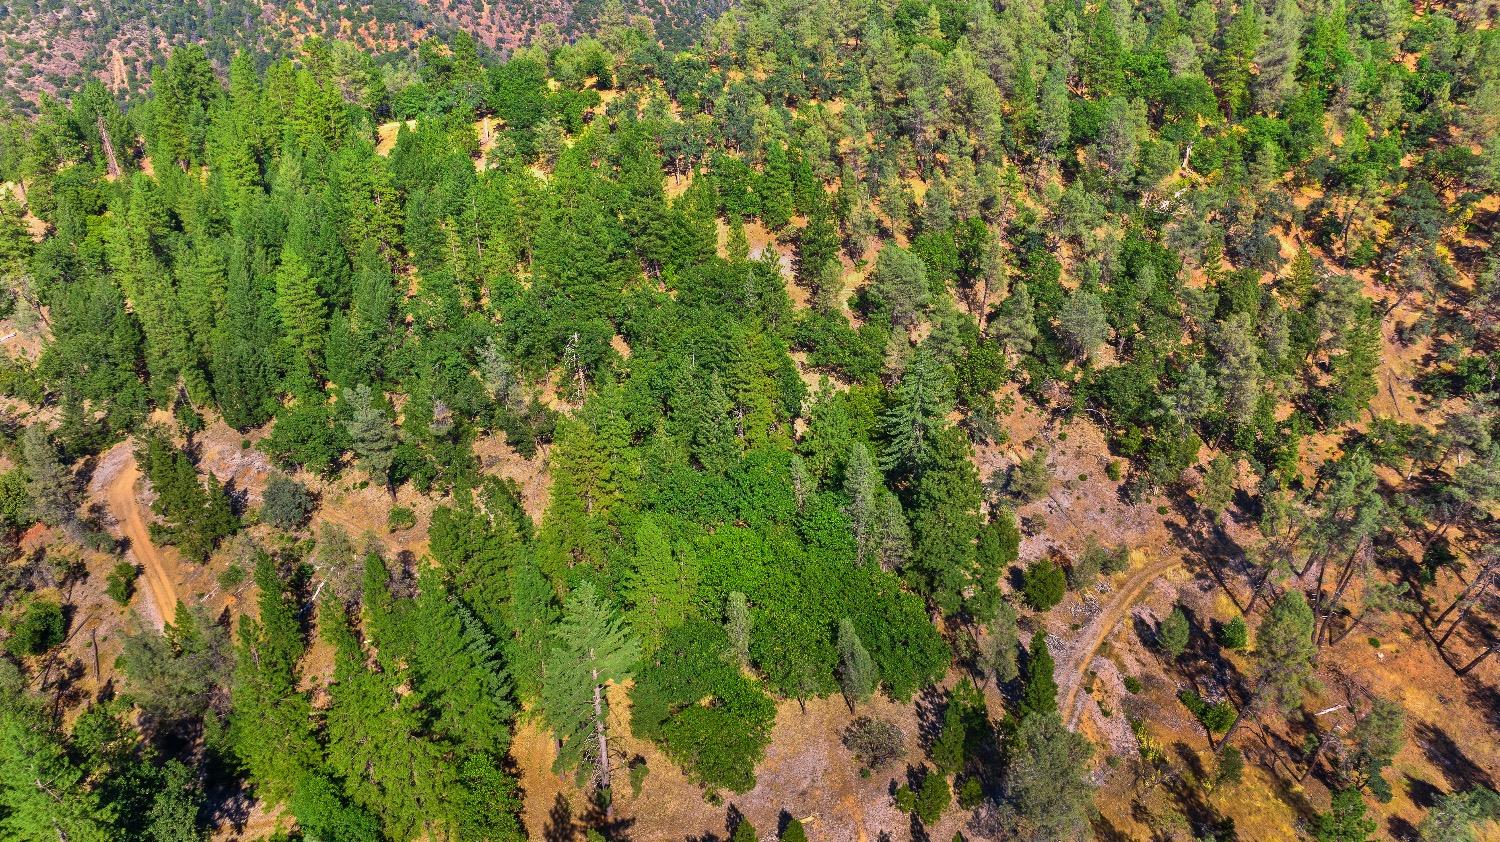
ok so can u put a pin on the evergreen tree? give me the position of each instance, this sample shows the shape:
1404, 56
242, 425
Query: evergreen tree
1285, 651
371, 433
44, 794
857, 673
659, 586
1172, 634
921, 401
591, 651
1345, 821
49, 485
1046, 779
1039, 692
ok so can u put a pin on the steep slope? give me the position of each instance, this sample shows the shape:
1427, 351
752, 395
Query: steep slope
51, 47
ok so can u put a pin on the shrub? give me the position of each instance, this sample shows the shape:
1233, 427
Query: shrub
401, 518
701, 710
1172, 634
122, 582
906, 800
1132, 684
232, 577
970, 794
1113, 471
1233, 634
1216, 718
39, 628
287, 504
1116, 560
1231, 766
1044, 584
933, 798
638, 772
875, 742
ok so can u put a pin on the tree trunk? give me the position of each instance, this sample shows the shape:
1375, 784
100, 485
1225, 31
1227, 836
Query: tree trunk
609, 801
109, 148
1331, 606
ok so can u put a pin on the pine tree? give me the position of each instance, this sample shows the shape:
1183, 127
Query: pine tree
1345, 821
922, 399
945, 523
1277, 58
857, 673
863, 486
302, 309
1172, 635
999, 652
1046, 779
775, 188
48, 482
1285, 651
660, 584
44, 794
372, 435
529, 614
377, 740
270, 720
1039, 693
591, 650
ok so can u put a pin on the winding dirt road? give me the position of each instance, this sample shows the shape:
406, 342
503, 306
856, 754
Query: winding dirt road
126, 508
1122, 600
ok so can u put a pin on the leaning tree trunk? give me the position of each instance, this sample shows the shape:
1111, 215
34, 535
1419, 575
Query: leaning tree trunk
599, 734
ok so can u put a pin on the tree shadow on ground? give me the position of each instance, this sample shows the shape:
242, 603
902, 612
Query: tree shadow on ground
560, 826
1444, 753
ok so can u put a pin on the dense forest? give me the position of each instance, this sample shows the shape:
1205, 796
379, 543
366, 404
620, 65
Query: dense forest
790, 327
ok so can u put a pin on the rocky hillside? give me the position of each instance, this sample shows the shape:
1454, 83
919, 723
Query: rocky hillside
57, 45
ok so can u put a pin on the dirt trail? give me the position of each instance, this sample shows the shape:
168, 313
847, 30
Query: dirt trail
1098, 629
120, 493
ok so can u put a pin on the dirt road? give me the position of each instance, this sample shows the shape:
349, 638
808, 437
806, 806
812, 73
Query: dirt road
1093, 635
126, 508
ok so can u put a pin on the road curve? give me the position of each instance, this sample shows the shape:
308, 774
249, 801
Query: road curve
1122, 600
126, 508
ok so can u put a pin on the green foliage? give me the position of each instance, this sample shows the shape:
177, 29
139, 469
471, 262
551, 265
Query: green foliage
121, 583
1458, 816
31, 749
400, 518
702, 711
1044, 584
427, 321
1231, 768
1345, 820
1234, 634
744, 831
196, 515
286, 503
857, 675
590, 649
1215, 717
1045, 778
1284, 650
1039, 692
39, 627
1173, 632
933, 798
